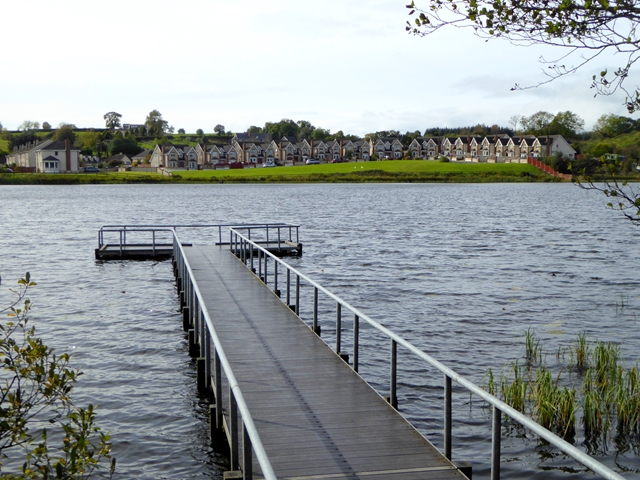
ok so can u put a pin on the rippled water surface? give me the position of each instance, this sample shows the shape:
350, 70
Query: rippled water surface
459, 270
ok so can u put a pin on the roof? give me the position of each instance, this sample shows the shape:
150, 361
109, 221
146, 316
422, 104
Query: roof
51, 158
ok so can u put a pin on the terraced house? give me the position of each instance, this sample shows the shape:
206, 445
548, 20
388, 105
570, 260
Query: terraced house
492, 149
250, 151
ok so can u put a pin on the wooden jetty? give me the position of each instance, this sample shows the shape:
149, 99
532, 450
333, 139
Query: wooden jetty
316, 417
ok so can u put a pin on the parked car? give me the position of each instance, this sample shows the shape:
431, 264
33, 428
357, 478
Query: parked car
91, 169
269, 163
312, 161
6, 170
337, 160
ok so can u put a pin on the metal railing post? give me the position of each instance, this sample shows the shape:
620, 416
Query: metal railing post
260, 264
447, 417
247, 453
393, 400
288, 287
356, 341
315, 309
266, 262
233, 430
338, 327
207, 358
297, 294
496, 438
218, 388
275, 277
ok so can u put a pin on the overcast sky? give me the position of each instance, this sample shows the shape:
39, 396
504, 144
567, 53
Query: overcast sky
340, 64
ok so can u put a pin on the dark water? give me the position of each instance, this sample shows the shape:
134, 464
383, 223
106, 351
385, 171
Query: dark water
459, 270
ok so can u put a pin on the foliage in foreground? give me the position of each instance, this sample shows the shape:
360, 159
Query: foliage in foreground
43, 434
602, 398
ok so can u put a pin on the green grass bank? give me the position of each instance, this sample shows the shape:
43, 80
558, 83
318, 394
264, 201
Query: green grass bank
397, 171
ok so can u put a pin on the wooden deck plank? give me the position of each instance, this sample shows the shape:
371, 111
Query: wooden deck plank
316, 417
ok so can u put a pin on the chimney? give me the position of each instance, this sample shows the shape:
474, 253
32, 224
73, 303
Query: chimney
67, 148
204, 149
163, 159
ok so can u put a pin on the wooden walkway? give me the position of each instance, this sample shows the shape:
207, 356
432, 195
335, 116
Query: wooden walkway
317, 418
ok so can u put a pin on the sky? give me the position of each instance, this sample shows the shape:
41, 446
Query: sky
340, 64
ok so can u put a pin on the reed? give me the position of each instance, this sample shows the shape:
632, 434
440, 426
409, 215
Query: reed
532, 345
581, 349
543, 395
514, 392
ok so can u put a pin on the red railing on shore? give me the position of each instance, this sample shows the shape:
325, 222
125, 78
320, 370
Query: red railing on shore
547, 169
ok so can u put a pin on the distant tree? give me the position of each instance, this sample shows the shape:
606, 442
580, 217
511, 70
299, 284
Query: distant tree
610, 125
112, 120
155, 124
0, 127
181, 131
253, 130
199, 132
537, 124
171, 129
126, 145
305, 129
29, 125
567, 124
24, 138
600, 148
46, 126
320, 134
514, 121
284, 128
65, 132
219, 129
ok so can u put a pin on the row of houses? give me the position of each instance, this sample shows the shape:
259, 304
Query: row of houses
49, 156
250, 150
244, 150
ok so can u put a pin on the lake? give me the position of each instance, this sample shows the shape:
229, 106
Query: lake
459, 270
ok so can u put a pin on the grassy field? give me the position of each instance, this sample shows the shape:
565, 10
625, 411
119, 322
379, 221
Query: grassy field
385, 171
399, 171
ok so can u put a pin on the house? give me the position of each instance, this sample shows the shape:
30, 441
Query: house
141, 158
50, 156
119, 159
174, 156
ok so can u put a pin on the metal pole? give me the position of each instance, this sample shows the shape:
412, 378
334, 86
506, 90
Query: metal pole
394, 367
259, 263
288, 287
251, 254
338, 327
233, 430
153, 233
247, 452
496, 436
275, 276
356, 341
266, 262
315, 309
207, 357
218, 388
447, 417
297, 294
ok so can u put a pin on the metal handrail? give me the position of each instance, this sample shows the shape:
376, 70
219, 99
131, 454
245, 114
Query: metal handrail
249, 426
244, 248
123, 229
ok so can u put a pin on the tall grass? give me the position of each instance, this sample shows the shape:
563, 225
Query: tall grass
607, 394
